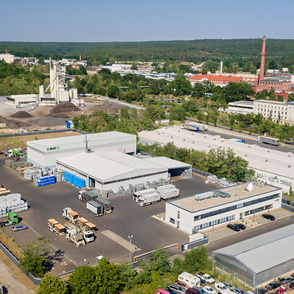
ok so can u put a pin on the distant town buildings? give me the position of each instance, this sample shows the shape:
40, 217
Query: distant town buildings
6, 57
221, 81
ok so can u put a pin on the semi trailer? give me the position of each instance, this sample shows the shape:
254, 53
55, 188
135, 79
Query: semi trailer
95, 208
12, 219
267, 140
70, 215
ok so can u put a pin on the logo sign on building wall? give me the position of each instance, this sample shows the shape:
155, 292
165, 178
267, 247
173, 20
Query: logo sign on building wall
56, 148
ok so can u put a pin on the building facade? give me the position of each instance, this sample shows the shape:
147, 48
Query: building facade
282, 112
6, 57
243, 107
215, 208
221, 81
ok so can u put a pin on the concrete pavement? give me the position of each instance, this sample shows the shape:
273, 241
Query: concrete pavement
10, 281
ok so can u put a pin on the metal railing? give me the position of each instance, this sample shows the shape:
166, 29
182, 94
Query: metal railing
195, 243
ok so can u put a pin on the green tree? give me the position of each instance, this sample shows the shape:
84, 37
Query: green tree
200, 115
124, 113
154, 112
34, 260
113, 91
52, 285
134, 113
159, 261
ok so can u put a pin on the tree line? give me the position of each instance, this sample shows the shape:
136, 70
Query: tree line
111, 278
222, 163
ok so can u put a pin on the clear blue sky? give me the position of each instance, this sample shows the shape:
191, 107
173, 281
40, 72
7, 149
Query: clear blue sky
144, 20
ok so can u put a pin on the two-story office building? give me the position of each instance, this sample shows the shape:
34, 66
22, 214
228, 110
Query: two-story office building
215, 208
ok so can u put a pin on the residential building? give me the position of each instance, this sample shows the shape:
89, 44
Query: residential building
6, 57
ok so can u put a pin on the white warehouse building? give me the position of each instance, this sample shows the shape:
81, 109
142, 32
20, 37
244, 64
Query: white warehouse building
44, 153
110, 170
215, 208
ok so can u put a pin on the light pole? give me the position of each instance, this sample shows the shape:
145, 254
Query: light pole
130, 237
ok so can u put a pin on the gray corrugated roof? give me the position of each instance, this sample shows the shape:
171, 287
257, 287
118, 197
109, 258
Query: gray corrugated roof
265, 251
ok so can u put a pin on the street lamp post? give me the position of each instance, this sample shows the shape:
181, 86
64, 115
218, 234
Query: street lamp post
130, 237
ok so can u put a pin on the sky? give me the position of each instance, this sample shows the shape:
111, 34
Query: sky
141, 20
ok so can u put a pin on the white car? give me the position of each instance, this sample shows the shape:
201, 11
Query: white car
222, 288
208, 279
209, 290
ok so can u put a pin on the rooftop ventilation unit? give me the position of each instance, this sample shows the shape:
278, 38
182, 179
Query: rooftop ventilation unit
249, 187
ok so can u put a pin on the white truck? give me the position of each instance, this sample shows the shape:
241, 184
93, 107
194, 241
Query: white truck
75, 238
222, 288
169, 193
70, 215
195, 127
149, 198
267, 140
139, 194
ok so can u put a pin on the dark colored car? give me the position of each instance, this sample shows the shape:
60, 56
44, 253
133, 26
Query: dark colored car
261, 290
233, 227
286, 279
192, 291
268, 216
241, 226
202, 282
291, 285
273, 285
238, 291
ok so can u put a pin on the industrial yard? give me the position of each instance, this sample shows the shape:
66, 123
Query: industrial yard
113, 230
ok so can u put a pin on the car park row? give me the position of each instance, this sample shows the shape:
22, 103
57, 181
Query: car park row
191, 284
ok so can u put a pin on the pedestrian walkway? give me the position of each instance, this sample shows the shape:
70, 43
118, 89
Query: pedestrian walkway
9, 280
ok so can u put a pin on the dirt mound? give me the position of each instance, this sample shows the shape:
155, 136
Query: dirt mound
64, 107
49, 121
22, 124
108, 107
58, 115
9, 124
21, 114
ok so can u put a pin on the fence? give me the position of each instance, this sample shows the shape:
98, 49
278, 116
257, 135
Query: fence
235, 276
200, 172
35, 280
40, 132
288, 207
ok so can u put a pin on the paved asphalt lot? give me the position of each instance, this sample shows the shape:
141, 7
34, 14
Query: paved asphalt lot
127, 219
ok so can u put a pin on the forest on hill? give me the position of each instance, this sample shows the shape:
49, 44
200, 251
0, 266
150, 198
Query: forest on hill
278, 51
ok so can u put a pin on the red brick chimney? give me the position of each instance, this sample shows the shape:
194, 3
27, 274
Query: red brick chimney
261, 72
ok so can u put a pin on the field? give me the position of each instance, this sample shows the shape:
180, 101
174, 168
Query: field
21, 141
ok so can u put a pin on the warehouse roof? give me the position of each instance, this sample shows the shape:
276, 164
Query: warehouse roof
109, 165
81, 139
264, 251
167, 162
235, 193
261, 158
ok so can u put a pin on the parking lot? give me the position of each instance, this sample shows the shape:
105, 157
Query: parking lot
113, 230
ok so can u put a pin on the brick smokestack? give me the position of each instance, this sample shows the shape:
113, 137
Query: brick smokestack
261, 72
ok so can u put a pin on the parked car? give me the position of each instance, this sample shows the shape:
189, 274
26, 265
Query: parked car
192, 291
241, 226
233, 227
182, 284
291, 285
273, 285
161, 291
207, 278
202, 291
261, 290
229, 285
286, 279
202, 281
283, 289
268, 216
223, 289
209, 290
238, 291
19, 228
173, 288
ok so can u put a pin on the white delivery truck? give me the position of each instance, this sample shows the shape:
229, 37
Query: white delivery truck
171, 193
149, 198
169, 186
139, 194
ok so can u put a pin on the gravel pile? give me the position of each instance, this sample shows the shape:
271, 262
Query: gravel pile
21, 114
64, 107
10, 124
49, 121
58, 115
108, 107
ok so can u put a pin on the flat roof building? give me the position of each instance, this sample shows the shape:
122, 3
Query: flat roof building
260, 259
240, 107
45, 152
211, 209
270, 166
111, 170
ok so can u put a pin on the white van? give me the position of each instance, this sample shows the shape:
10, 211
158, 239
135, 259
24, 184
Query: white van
189, 279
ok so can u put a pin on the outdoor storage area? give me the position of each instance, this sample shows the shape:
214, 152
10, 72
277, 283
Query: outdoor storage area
259, 259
